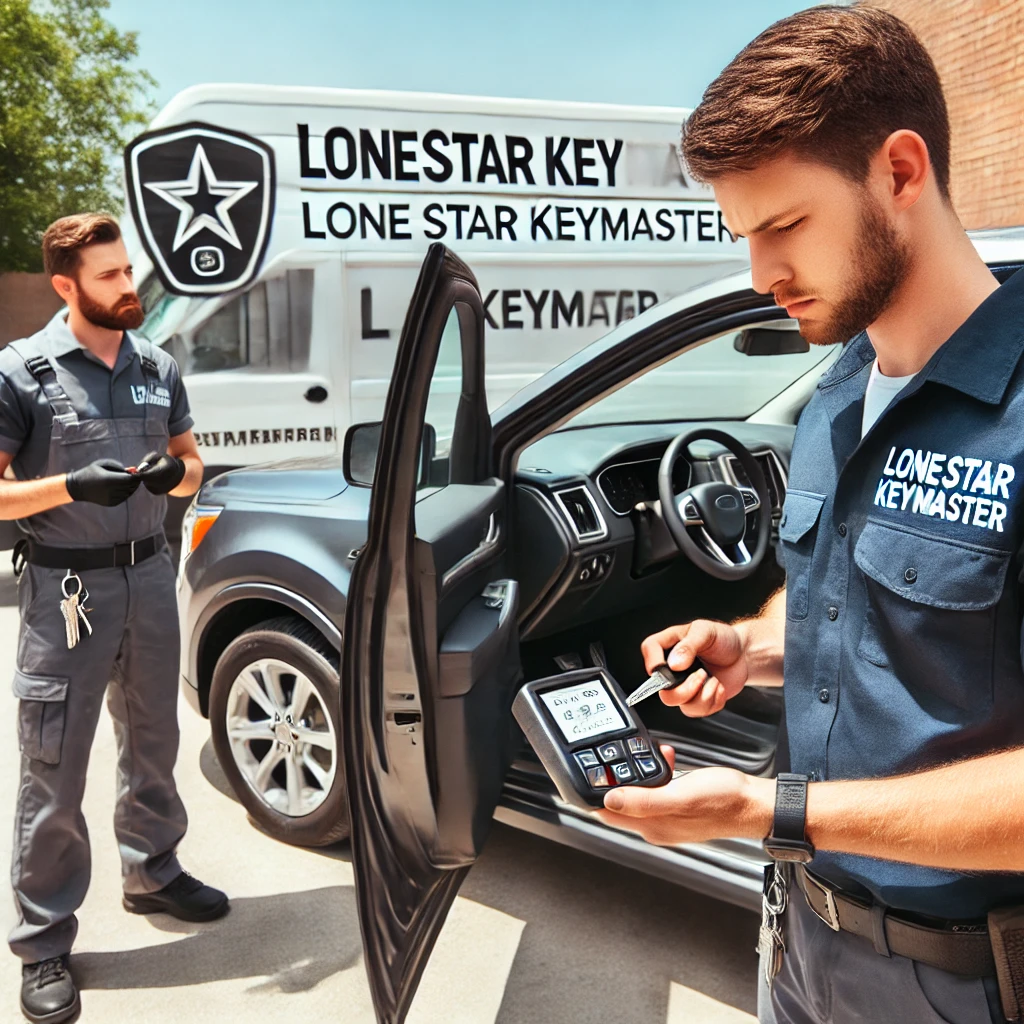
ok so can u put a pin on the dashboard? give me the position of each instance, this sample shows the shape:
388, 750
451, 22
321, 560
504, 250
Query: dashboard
592, 542
625, 484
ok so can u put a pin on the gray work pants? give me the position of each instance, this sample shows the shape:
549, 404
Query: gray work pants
832, 977
132, 657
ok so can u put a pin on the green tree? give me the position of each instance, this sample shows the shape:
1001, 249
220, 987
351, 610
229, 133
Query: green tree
69, 101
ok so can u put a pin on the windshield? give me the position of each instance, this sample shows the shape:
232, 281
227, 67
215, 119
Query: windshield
715, 380
163, 311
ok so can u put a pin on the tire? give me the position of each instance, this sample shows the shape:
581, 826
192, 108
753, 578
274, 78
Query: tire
287, 771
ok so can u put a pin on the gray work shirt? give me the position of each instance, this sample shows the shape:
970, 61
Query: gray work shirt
97, 392
902, 552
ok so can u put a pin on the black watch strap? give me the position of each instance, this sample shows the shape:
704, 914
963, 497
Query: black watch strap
790, 807
788, 840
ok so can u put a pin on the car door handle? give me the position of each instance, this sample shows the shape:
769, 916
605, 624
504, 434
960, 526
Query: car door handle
501, 597
479, 554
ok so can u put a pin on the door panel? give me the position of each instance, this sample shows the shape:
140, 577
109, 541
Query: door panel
479, 674
431, 658
478, 639
455, 523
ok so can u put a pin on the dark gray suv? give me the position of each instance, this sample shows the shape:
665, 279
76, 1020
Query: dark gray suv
356, 630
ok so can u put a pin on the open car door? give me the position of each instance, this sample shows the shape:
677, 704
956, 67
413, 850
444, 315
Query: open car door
431, 652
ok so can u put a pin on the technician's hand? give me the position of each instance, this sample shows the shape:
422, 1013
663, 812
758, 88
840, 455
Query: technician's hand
720, 649
708, 803
103, 482
163, 473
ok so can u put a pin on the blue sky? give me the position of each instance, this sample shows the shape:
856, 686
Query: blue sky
660, 52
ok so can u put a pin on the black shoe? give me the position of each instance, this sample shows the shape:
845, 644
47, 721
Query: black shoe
48, 992
185, 898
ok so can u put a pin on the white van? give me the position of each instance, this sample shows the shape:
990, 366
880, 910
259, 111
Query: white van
277, 233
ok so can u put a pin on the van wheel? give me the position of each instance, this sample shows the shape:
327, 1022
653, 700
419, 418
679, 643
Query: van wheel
275, 715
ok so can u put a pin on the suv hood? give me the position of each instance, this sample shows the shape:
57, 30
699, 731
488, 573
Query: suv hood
292, 481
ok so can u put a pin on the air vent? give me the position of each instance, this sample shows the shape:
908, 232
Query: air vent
582, 512
774, 476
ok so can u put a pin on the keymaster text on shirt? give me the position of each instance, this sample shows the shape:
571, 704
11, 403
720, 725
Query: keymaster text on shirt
966, 490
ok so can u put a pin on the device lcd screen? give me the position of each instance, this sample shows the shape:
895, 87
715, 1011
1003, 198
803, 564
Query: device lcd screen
583, 710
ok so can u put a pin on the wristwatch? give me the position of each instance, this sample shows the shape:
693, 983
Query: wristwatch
787, 840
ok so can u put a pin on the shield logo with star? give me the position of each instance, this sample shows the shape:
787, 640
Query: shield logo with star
203, 200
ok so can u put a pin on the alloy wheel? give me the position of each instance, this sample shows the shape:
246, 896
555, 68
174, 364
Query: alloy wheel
281, 737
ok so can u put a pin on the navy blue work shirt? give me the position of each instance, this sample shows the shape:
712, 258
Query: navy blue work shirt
903, 633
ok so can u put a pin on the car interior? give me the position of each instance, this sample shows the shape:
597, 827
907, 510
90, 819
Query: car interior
592, 590
599, 571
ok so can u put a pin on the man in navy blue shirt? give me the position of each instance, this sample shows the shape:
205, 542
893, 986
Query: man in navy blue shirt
898, 635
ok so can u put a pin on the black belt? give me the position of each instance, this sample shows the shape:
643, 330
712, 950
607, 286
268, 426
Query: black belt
962, 949
80, 559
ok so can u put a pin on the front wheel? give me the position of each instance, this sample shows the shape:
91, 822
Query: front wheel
275, 710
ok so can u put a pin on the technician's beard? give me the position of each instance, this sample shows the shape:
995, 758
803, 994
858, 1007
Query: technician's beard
125, 315
884, 260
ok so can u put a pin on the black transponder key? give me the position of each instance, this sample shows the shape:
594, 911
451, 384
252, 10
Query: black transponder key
587, 738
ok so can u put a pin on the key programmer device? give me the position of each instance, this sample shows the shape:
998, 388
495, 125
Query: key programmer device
586, 737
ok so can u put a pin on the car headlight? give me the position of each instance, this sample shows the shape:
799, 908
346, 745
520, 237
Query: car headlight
196, 525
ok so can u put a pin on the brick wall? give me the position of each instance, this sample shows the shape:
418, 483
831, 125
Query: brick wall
978, 48
27, 301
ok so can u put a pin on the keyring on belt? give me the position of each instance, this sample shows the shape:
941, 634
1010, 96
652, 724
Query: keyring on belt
81, 592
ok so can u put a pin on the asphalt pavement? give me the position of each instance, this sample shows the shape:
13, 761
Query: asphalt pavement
539, 935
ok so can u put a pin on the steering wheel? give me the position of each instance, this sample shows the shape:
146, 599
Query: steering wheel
716, 511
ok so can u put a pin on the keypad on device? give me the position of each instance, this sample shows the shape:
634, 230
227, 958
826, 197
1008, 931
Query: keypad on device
610, 765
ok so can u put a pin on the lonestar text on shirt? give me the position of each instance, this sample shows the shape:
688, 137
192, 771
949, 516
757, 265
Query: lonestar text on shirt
968, 489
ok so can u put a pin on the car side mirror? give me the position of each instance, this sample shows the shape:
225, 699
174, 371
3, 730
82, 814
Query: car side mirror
770, 341
359, 453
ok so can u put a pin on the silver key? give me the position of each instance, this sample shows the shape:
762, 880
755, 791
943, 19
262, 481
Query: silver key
770, 944
662, 678
772, 950
71, 608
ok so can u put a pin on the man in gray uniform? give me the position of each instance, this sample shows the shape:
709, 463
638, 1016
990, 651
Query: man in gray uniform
95, 425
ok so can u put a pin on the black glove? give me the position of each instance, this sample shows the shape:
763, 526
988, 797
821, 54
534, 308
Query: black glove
103, 482
162, 473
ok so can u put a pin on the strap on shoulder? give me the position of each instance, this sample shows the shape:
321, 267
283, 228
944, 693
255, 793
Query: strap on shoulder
45, 375
150, 367
41, 368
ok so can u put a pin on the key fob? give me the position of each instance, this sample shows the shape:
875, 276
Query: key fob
587, 737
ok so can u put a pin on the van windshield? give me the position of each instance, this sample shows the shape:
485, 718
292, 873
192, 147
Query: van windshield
164, 312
